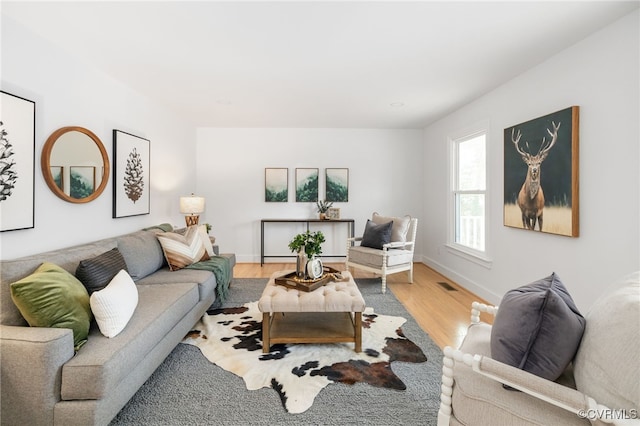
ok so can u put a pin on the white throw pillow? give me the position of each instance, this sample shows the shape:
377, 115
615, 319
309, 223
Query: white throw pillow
206, 241
113, 306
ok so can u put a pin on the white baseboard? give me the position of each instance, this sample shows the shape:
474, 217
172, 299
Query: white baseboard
463, 281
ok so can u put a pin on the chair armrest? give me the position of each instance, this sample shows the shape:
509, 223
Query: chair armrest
354, 239
397, 244
553, 393
31, 371
477, 308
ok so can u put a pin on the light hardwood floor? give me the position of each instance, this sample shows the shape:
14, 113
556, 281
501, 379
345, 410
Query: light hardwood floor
442, 313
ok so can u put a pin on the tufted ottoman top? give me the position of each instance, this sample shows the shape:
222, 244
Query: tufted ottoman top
341, 296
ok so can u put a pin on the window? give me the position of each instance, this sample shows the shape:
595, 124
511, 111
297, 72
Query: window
469, 184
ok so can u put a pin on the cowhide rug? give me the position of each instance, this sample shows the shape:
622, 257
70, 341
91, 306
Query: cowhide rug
232, 339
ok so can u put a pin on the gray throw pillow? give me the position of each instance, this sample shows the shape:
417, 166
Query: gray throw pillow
97, 272
538, 328
376, 235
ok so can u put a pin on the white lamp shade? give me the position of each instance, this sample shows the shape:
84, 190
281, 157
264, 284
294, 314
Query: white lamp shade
191, 205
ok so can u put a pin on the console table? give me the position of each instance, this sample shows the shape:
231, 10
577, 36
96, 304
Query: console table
349, 222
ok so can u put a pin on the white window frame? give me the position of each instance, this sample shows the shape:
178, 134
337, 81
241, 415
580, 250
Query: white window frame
480, 257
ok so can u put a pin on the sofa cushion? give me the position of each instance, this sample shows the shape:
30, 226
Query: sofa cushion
52, 297
400, 226
537, 328
373, 257
206, 280
606, 365
142, 252
13, 270
114, 305
102, 363
96, 272
182, 250
375, 236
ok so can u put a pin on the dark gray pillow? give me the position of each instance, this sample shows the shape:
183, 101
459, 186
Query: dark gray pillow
538, 328
97, 272
376, 235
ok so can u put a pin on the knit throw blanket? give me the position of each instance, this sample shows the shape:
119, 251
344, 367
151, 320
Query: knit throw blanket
221, 268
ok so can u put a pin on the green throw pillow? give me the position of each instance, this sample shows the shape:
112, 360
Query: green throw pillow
52, 297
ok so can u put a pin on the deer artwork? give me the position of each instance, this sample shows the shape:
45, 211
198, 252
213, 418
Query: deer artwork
531, 196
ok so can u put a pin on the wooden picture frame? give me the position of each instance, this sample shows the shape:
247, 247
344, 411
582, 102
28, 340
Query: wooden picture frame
333, 213
336, 185
276, 185
541, 160
131, 175
307, 185
17, 176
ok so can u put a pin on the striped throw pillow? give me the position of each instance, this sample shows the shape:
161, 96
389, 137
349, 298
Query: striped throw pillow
182, 250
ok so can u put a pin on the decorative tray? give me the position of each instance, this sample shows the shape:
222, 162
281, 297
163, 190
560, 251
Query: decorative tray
292, 281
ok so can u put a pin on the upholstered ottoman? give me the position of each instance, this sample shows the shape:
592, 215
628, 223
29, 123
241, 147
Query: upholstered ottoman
331, 313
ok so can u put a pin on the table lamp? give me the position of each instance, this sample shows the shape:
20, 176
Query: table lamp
191, 206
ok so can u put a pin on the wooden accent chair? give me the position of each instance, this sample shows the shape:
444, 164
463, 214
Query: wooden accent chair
392, 257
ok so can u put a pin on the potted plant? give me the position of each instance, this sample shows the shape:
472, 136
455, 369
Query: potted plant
307, 245
323, 206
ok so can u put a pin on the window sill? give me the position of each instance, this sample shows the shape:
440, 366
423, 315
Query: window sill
469, 255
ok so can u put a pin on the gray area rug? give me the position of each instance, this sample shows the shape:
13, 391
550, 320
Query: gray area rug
189, 390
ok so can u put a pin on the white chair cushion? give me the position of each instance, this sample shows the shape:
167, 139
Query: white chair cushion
373, 257
606, 366
478, 400
399, 229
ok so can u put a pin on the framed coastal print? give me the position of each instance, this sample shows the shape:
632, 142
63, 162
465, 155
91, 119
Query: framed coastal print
276, 185
337, 185
131, 173
541, 174
17, 157
307, 185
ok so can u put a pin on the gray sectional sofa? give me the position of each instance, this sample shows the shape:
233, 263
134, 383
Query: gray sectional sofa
43, 382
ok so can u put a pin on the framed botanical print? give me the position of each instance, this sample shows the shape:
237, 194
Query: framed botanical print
307, 185
17, 157
131, 173
276, 185
337, 185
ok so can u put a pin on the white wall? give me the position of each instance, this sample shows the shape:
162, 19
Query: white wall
601, 75
68, 92
385, 175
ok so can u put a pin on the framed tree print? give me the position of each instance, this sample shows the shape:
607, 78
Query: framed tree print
306, 185
276, 185
131, 172
337, 185
17, 157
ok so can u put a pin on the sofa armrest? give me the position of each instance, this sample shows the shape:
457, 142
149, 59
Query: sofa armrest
31, 360
551, 392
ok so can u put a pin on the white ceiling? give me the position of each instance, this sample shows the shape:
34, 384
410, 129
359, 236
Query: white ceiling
314, 64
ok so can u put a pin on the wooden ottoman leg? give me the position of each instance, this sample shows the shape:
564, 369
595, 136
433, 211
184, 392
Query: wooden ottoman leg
358, 331
266, 325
